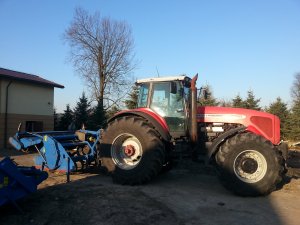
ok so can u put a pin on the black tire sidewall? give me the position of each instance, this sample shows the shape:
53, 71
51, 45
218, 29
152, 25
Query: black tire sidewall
148, 140
233, 182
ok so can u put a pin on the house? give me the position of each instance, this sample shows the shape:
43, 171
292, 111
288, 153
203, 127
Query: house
26, 99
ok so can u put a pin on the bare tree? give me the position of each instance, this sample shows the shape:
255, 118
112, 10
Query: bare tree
295, 89
102, 53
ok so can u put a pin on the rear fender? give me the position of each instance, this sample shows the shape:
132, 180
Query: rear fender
222, 138
156, 121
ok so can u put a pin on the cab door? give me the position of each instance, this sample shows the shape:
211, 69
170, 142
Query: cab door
167, 101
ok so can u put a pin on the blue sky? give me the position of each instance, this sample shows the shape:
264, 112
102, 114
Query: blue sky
233, 45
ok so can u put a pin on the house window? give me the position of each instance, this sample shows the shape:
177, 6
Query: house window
34, 126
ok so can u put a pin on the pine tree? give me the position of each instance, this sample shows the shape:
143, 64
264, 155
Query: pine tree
98, 117
251, 102
56, 120
82, 111
293, 123
225, 103
293, 120
131, 103
238, 102
207, 98
280, 109
112, 111
67, 118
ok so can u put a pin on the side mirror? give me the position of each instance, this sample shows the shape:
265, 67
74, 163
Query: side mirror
173, 88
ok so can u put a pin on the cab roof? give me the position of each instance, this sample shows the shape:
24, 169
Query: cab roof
160, 79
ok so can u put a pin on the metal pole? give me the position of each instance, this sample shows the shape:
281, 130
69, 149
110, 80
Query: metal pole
68, 170
6, 112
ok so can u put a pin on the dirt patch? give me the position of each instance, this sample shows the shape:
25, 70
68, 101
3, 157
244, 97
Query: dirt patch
88, 202
189, 194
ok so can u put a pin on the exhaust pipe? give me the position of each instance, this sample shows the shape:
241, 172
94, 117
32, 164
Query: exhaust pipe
193, 112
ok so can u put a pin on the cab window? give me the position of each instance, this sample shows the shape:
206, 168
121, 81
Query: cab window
143, 95
167, 101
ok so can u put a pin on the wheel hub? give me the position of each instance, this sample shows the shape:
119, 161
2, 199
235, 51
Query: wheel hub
249, 165
126, 151
129, 150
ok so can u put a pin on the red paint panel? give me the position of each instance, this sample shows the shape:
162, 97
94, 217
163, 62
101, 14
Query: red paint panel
261, 123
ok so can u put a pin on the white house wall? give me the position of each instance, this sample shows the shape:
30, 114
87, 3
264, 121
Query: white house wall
27, 99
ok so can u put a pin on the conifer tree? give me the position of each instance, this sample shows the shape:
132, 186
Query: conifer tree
280, 109
66, 119
112, 111
293, 123
293, 120
251, 102
82, 112
131, 102
238, 102
56, 120
98, 117
225, 103
207, 98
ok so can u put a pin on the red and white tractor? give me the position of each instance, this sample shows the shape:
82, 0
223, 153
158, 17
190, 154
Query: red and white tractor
244, 145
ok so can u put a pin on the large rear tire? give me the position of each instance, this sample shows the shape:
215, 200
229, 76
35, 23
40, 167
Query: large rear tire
249, 165
131, 150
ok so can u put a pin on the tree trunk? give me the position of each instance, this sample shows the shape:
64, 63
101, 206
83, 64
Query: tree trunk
102, 84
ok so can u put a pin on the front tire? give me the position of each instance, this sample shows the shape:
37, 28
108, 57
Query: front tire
131, 150
249, 165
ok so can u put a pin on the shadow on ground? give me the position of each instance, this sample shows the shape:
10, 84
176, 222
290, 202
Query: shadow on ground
188, 194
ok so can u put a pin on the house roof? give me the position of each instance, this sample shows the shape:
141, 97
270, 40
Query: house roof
14, 75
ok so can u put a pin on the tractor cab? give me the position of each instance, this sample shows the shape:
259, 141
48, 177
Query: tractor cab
168, 97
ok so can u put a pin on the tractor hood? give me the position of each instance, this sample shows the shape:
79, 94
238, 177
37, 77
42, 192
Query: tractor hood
261, 123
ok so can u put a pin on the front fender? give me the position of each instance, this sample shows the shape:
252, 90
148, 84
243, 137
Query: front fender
221, 139
156, 121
